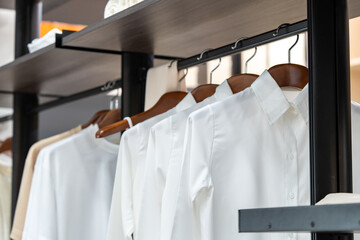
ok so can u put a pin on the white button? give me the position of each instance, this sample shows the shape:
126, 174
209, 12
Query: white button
291, 235
291, 157
291, 195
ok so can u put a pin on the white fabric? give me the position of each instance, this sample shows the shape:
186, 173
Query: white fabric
72, 188
115, 6
5, 196
130, 175
248, 151
46, 40
355, 129
165, 143
339, 198
160, 80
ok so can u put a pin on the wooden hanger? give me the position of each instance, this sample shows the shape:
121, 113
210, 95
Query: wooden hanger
204, 91
110, 117
6, 145
290, 75
95, 118
165, 103
241, 81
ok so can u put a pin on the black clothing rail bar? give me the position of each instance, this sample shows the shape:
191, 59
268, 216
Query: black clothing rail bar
88, 93
245, 44
59, 44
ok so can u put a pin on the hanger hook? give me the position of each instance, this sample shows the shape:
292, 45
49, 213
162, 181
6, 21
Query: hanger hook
171, 63
202, 53
108, 85
247, 61
289, 52
211, 73
237, 42
183, 77
278, 29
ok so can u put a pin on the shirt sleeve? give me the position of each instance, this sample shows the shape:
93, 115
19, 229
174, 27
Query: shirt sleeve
193, 211
40, 221
121, 218
158, 152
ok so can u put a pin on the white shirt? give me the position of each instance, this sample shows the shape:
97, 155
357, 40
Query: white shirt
248, 151
165, 142
72, 188
355, 134
5, 196
130, 175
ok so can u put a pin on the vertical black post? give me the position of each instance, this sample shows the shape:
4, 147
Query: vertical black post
28, 19
25, 127
134, 69
25, 133
329, 100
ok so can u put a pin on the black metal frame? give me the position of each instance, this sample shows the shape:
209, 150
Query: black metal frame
59, 44
329, 101
245, 44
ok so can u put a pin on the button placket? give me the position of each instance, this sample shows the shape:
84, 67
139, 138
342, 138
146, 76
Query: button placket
291, 160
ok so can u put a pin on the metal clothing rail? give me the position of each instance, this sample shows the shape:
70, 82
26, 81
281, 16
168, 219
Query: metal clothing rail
88, 93
246, 43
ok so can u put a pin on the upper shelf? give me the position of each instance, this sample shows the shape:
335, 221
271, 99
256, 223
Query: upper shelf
184, 28
59, 71
179, 28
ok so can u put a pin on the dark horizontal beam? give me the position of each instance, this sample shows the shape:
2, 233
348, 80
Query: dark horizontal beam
245, 44
59, 44
88, 93
322, 218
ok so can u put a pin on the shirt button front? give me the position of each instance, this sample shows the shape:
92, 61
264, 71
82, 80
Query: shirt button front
291, 157
291, 195
291, 235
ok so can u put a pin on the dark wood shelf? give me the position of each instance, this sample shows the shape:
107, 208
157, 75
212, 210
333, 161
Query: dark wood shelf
59, 71
184, 28
181, 28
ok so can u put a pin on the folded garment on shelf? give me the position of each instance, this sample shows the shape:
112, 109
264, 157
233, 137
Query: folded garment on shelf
115, 6
112, 7
339, 198
48, 39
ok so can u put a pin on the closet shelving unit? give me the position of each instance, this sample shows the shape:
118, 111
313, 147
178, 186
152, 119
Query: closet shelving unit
124, 45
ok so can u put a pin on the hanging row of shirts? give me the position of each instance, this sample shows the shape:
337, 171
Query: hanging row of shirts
5, 176
183, 174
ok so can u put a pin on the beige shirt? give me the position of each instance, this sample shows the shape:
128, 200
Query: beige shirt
22, 203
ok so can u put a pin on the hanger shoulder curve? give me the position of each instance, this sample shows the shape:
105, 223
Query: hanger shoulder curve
203, 91
110, 117
241, 81
6, 145
95, 118
290, 75
165, 103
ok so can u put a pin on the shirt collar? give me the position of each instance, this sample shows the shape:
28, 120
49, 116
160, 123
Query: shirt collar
273, 101
301, 102
223, 91
186, 102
